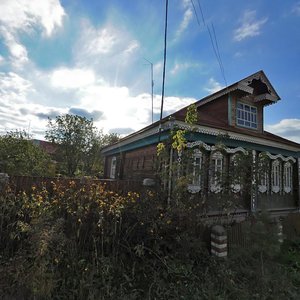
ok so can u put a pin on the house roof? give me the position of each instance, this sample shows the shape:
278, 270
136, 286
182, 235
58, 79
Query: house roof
257, 85
48, 147
244, 85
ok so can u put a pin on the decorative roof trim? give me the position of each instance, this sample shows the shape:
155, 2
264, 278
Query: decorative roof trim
265, 96
238, 86
274, 157
260, 75
200, 129
235, 136
214, 148
132, 139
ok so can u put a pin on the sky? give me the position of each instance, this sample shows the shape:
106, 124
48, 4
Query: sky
91, 58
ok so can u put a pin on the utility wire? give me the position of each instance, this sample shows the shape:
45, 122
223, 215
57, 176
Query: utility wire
218, 52
213, 39
195, 12
202, 15
164, 71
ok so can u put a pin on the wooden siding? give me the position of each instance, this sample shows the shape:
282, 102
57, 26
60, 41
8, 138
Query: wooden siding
140, 163
260, 120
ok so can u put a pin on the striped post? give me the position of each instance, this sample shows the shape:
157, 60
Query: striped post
218, 241
279, 232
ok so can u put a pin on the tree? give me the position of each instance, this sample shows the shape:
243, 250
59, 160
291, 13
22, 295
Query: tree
19, 156
74, 135
79, 144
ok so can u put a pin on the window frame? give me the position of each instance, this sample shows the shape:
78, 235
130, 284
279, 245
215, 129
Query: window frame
287, 177
216, 172
276, 180
195, 184
246, 118
113, 167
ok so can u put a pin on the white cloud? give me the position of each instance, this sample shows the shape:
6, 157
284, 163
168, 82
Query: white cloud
25, 15
121, 110
1, 59
72, 78
179, 67
287, 128
213, 86
296, 9
187, 17
102, 41
249, 27
106, 41
113, 53
132, 47
14, 88
17, 51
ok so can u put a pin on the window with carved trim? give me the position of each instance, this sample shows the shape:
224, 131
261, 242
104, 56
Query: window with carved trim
276, 176
113, 167
236, 178
263, 173
196, 172
287, 177
216, 170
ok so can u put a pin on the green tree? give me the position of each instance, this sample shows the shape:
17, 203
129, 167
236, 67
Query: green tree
19, 156
79, 144
74, 136
93, 160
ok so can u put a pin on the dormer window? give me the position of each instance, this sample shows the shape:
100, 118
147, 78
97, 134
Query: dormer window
246, 115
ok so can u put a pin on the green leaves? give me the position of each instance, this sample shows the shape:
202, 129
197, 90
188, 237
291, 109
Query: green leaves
79, 144
19, 156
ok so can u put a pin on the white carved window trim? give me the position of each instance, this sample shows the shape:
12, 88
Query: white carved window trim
217, 161
263, 186
113, 167
236, 186
287, 177
276, 176
196, 179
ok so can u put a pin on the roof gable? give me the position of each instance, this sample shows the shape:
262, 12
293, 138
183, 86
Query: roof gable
256, 85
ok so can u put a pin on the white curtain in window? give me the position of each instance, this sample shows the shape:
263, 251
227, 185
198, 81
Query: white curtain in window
287, 177
113, 166
196, 169
216, 172
276, 176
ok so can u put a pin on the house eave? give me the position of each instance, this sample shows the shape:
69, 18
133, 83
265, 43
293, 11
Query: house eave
150, 136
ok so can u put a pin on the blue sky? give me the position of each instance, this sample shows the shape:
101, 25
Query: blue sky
87, 57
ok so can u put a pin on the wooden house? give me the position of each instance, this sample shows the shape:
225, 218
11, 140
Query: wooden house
234, 116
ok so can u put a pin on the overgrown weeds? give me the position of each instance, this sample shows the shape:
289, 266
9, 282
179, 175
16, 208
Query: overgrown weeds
86, 242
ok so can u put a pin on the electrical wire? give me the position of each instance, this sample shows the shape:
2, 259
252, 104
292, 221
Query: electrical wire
213, 39
164, 71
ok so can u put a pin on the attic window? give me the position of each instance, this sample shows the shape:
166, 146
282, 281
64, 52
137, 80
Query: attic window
246, 115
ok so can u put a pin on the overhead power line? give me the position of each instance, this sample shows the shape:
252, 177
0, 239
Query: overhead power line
164, 71
213, 38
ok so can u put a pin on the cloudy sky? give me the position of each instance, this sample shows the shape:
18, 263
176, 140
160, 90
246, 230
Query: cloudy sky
87, 57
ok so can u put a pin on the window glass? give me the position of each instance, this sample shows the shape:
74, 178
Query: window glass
246, 115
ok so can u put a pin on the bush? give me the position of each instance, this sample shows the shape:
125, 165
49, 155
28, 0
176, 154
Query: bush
85, 242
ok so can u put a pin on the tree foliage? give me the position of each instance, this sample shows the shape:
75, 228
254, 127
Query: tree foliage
79, 144
19, 156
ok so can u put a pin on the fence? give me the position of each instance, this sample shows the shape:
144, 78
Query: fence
25, 183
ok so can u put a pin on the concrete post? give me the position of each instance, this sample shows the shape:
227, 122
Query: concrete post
218, 241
